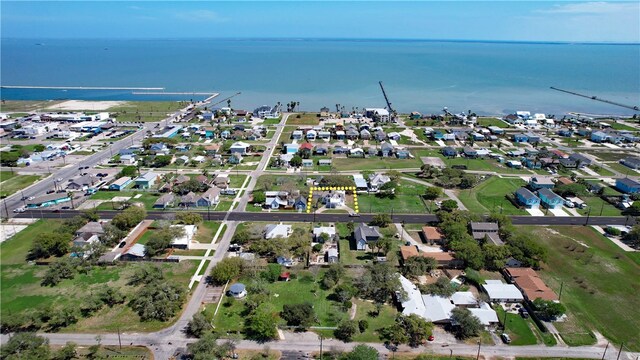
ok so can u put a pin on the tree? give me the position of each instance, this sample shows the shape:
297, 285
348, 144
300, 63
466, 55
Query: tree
442, 287
259, 197
344, 292
346, 330
90, 305
67, 352
547, 309
207, 348
130, 171
161, 239
158, 300
449, 205
198, 325
432, 193
49, 244
9, 158
226, 270
633, 237
526, 250
296, 161
384, 245
25, 345
272, 273
300, 315
361, 352
575, 189
241, 237
363, 325
418, 265
110, 296
63, 268
261, 323
161, 161
469, 252
189, 218
129, 218
146, 274
467, 324
495, 257
380, 282
416, 328
63, 318
381, 220
633, 210
388, 190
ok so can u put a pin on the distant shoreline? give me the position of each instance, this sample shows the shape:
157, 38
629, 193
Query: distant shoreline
312, 39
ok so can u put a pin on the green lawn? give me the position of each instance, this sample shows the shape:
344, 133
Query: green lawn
492, 122
15, 183
610, 156
305, 288
601, 171
624, 170
346, 164
365, 311
25, 106
400, 204
206, 231
304, 119
489, 196
600, 284
147, 198
619, 126
15, 250
134, 111
236, 181
6, 175
598, 207
517, 328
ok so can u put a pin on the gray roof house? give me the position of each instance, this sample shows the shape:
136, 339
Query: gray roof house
365, 234
632, 162
164, 201
93, 228
580, 159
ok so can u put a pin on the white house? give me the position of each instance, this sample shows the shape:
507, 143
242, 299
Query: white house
501, 292
239, 147
183, 241
128, 159
329, 230
377, 180
280, 230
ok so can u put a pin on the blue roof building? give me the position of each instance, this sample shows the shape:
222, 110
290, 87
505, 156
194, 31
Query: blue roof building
628, 186
527, 199
520, 138
550, 199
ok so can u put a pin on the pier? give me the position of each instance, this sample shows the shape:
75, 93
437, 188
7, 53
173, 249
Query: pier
170, 93
82, 87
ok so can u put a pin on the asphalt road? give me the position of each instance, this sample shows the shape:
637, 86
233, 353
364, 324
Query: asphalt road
304, 217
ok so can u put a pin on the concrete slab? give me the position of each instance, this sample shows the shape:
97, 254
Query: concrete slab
535, 212
558, 212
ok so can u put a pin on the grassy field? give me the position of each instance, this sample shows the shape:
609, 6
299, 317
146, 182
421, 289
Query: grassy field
13, 183
600, 284
20, 289
624, 170
598, 207
304, 119
492, 122
114, 352
345, 164
489, 196
26, 105
147, 198
518, 328
601, 171
619, 126
206, 231
305, 288
135, 111
385, 318
400, 204
610, 156
6, 175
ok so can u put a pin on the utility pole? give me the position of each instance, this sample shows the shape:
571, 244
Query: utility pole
320, 347
478, 356
119, 341
589, 215
561, 286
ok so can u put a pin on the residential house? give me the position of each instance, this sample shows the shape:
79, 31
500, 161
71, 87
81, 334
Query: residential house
394, 136
183, 241
352, 133
549, 199
240, 148
202, 179
120, 183
541, 182
500, 292
146, 180
530, 284
515, 164
365, 235
266, 112
211, 197
533, 138
599, 137
340, 135
320, 150
181, 179
212, 149
470, 152
527, 199
311, 135
386, 149
443, 259
285, 261
324, 135
81, 182
235, 159
128, 159
631, 162
324, 162
189, 200
297, 135
334, 199
403, 154
496, 130
91, 228
520, 138
306, 147
449, 151
380, 135
329, 230
486, 230
360, 182
532, 163
377, 180
365, 134
432, 235
568, 163
628, 186
356, 152
331, 256
273, 231
165, 201
513, 119
134, 253
581, 160
565, 132
307, 162
222, 181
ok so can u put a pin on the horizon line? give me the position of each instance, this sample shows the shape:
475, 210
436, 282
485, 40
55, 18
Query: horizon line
372, 39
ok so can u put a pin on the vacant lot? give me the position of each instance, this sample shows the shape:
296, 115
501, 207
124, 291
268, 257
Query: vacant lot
12, 183
492, 122
134, 111
20, 290
489, 196
304, 119
26, 105
600, 284
375, 163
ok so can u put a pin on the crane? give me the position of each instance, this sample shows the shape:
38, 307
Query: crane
392, 113
632, 107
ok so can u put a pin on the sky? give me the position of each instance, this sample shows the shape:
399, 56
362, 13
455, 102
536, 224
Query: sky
595, 21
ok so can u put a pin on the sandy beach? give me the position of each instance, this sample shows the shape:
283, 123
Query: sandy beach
73, 105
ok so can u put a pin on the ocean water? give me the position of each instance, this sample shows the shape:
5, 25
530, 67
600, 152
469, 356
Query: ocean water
425, 76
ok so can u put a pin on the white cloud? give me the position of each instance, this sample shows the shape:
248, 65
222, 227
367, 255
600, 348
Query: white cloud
201, 15
594, 8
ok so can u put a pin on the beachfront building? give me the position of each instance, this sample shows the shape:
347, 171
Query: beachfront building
377, 114
266, 112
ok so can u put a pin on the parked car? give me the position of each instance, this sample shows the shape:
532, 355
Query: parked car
122, 244
505, 338
569, 204
524, 313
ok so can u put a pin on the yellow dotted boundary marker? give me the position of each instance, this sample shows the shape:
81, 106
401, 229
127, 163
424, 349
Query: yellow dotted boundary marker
356, 209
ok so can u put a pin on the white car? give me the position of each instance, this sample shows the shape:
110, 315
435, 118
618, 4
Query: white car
59, 179
19, 210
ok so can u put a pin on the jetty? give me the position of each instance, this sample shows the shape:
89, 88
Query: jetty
170, 93
81, 87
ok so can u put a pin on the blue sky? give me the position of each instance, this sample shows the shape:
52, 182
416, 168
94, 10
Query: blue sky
457, 20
